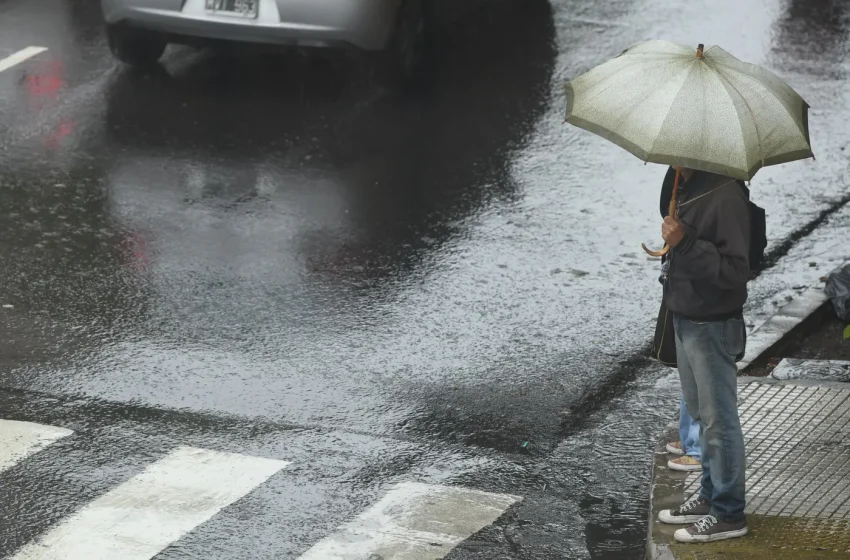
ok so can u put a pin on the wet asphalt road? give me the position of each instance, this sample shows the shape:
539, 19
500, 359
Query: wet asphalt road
270, 255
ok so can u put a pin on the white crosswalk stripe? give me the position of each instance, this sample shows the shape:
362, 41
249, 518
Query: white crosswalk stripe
141, 517
20, 56
19, 440
413, 522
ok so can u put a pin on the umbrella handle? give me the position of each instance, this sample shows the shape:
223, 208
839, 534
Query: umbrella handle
673, 211
660, 253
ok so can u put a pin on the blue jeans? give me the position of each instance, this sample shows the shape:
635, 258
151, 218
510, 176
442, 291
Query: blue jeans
706, 354
689, 432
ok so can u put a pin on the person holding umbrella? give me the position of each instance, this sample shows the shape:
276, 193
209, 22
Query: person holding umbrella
706, 289
717, 120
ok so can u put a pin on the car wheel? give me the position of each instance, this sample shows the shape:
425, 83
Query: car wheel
408, 54
136, 47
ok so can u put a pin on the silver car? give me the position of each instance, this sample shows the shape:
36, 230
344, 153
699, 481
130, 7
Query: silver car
139, 30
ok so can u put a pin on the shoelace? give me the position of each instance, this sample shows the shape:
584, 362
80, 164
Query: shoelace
688, 506
705, 523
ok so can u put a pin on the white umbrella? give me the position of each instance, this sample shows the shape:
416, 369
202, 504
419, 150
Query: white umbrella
704, 110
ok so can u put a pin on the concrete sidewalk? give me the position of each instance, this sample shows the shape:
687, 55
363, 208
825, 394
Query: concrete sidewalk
797, 434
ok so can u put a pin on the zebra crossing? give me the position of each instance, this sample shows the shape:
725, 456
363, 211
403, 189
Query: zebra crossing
20, 439
171, 497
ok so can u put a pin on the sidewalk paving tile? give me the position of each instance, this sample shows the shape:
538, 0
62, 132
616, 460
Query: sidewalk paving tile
797, 436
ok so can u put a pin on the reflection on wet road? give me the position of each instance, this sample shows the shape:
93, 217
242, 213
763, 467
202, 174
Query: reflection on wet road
443, 289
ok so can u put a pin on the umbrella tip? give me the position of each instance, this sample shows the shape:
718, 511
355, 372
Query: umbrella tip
699, 50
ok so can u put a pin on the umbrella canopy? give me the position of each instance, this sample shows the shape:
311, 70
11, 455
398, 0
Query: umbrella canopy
702, 109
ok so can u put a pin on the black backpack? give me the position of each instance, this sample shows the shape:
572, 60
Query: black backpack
758, 219
758, 231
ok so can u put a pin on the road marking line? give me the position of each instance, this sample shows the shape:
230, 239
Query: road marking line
143, 516
18, 440
20, 56
413, 522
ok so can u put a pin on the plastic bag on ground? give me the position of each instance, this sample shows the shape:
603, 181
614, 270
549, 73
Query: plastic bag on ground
838, 290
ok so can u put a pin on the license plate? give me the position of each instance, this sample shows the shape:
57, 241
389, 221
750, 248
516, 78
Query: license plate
244, 8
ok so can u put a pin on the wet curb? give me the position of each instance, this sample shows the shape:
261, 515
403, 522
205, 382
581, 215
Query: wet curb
665, 492
807, 309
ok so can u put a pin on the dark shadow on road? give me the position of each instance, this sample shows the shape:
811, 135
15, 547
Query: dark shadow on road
86, 23
812, 34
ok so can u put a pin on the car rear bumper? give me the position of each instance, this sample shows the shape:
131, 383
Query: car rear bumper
364, 24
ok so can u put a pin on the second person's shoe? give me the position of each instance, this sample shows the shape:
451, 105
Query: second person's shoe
685, 463
675, 448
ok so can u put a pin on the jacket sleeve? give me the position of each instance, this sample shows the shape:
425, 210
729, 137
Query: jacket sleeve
724, 264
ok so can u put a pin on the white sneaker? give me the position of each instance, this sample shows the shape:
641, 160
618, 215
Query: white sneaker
675, 448
685, 463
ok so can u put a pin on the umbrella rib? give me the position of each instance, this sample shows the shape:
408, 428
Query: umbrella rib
667, 115
750, 109
770, 87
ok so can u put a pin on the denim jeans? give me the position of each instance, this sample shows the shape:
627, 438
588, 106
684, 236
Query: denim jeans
689, 432
706, 354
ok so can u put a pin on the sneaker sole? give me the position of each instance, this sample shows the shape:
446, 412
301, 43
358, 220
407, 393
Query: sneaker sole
683, 536
683, 468
674, 450
665, 517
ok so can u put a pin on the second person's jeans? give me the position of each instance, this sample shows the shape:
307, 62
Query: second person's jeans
689, 432
706, 354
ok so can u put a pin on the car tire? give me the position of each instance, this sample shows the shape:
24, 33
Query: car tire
408, 55
135, 47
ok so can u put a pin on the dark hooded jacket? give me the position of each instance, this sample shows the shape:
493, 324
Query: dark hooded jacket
709, 269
